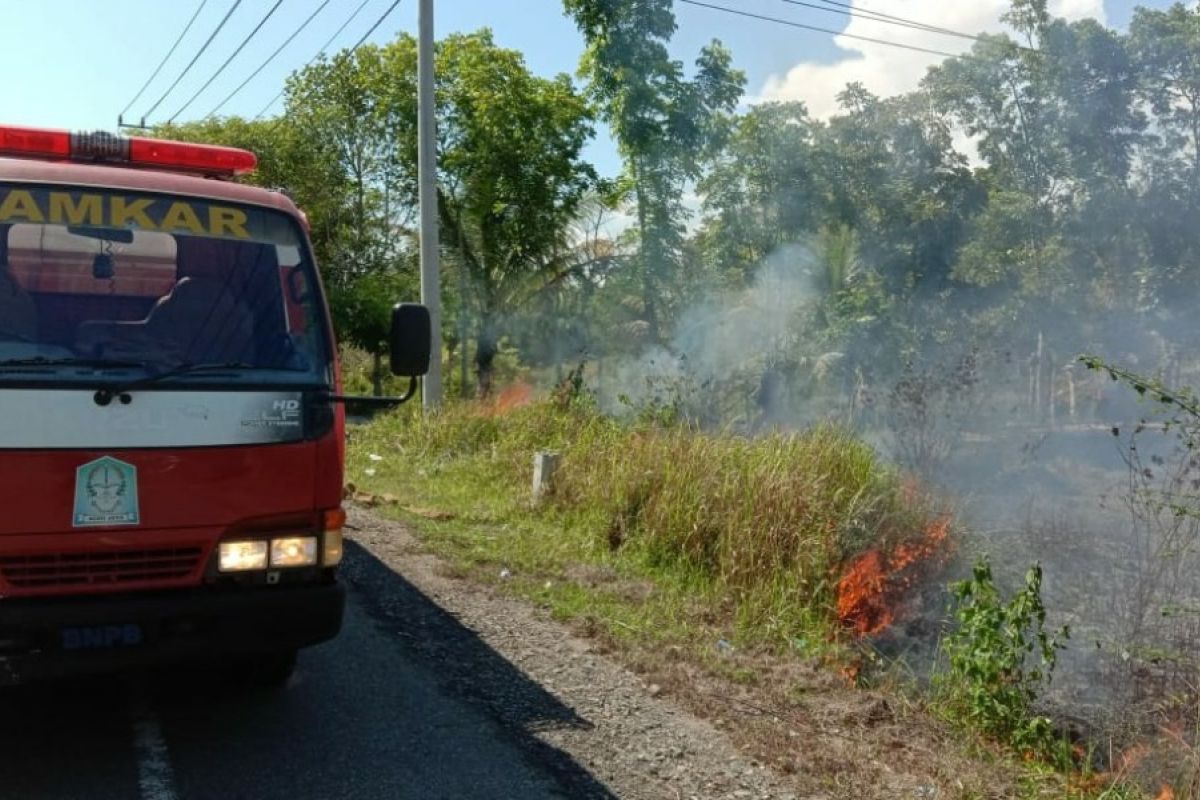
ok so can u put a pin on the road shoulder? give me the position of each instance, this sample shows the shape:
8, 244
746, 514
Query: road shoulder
637, 744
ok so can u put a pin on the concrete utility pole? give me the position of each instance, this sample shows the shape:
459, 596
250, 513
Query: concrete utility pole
431, 294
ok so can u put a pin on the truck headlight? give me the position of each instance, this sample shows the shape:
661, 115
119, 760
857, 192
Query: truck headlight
294, 551
242, 556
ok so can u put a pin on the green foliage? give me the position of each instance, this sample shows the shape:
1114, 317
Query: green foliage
913, 245
998, 659
664, 123
1153, 388
514, 179
511, 180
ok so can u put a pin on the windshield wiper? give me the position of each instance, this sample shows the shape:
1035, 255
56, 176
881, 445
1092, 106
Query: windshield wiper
105, 394
43, 361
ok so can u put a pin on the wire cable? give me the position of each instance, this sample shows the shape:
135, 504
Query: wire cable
894, 17
195, 58
221, 68
353, 49
378, 22
270, 58
845, 9
791, 24
319, 53
166, 58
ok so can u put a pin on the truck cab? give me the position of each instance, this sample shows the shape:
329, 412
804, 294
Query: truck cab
171, 428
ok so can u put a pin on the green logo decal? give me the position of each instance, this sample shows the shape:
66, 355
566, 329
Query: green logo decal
105, 493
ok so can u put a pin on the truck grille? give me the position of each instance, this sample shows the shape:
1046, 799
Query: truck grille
102, 568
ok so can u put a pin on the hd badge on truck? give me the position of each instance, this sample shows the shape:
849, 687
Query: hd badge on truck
105, 494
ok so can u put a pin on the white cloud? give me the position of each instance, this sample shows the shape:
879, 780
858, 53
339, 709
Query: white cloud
887, 71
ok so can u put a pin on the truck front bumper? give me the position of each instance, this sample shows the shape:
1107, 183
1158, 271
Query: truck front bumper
54, 637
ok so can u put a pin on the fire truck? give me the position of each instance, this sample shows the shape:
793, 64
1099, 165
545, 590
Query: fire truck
172, 434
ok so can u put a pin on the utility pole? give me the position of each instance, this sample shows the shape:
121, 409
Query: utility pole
431, 295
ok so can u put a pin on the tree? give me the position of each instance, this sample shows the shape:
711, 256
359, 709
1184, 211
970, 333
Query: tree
512, 178
339, 105
1164, 46
763, 190
664, 123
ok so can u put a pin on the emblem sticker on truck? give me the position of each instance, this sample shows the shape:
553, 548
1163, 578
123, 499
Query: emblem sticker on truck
105, 494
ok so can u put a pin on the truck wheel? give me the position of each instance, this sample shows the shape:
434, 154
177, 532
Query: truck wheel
268, 670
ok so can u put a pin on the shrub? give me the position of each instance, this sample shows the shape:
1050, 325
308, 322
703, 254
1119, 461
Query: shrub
998, 658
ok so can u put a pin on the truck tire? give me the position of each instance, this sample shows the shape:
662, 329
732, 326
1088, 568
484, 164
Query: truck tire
267, 670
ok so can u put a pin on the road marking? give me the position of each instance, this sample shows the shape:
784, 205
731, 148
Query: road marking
156, 780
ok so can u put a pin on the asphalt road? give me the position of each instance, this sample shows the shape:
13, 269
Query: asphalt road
388, 710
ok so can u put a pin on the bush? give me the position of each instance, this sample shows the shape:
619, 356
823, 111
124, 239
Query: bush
999, 658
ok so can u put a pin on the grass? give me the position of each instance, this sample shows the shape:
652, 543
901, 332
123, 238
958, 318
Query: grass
748, 533
659, 539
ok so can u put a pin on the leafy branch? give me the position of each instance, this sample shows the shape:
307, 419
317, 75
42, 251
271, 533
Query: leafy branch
1179, 398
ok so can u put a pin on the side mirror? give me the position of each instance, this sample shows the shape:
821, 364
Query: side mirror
411, 340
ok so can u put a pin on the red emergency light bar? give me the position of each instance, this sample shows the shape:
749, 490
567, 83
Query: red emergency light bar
205, 159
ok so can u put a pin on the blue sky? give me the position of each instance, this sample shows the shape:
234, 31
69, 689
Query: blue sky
76, 63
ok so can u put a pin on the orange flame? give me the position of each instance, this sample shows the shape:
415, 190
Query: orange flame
515, 396
1129, 758
869, 590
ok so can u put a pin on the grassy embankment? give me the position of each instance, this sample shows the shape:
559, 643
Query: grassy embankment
652, 533
665, 539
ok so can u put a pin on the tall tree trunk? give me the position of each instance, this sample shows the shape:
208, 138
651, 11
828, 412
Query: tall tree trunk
360, 206
1195, 147
649, 300
463, 359
486, 348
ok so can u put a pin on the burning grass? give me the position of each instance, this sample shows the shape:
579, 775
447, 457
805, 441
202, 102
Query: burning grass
736, 553
795, 537
873, 586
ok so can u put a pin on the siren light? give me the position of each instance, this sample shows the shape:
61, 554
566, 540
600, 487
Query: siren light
136, 151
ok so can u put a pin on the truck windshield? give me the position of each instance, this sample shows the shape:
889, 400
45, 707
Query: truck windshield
95, 283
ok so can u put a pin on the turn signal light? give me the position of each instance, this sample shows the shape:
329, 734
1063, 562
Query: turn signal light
332, 547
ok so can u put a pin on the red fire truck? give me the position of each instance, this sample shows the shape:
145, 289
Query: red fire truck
172, 428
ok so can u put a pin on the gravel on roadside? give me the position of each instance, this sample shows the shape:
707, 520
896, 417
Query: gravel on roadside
608, 721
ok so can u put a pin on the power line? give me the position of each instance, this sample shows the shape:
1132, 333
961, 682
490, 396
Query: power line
378, 22
163, 63
270, 58
221, 68
357, 44
195, 58
847, 10
802, 26
881, 15
319, 53
904, 22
